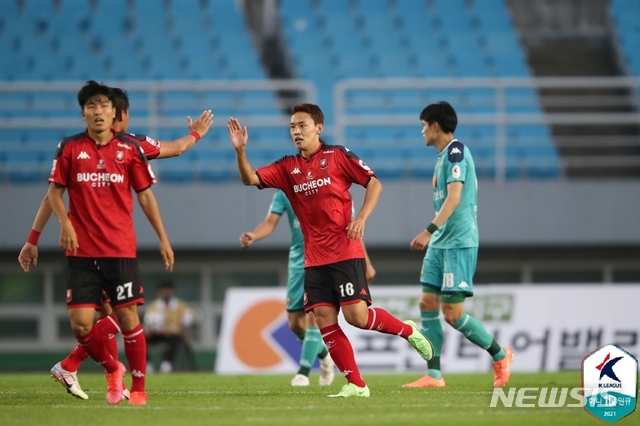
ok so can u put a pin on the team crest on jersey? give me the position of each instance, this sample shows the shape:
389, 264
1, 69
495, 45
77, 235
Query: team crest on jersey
323, 163
101, 164
69, 296
309, 176
435, 181
120, 156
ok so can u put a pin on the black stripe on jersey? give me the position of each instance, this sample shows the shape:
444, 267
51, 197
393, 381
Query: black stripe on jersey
344, 149
65, 141
138, 136
281, 159
456, 152
261, 185
128, 139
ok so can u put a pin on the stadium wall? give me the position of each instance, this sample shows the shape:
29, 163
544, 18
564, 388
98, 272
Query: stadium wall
584, 213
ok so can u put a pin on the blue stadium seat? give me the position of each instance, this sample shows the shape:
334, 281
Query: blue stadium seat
33, 8
335, 7
626, 14
295, 8
24, 166
73, 7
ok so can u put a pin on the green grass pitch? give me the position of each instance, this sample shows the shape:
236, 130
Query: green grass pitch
209, 399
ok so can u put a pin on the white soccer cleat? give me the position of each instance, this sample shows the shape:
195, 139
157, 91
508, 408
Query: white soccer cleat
69, 380
126, 394
300, 380
326, 371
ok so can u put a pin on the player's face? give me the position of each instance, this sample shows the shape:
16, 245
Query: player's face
99, 113
429, 132
304, 132
122, 122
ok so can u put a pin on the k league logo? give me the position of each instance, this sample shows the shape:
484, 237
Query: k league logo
609, 388
612, 374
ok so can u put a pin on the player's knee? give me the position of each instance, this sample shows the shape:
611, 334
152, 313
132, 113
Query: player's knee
128, 317
429, 302
81, 329
296, 327
428, 305
450, 316
357, 320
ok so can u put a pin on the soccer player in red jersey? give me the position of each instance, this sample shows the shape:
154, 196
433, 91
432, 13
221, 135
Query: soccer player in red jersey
316, 182
65, 371
153, 149
99, 168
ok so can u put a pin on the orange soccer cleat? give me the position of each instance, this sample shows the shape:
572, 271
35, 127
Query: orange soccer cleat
502, 369
138, 398
114, 384
426, 381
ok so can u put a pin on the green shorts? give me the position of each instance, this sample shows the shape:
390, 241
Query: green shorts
295, 290
449, 273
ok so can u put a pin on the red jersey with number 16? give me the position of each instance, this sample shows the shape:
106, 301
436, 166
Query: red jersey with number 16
318, 189
99, 181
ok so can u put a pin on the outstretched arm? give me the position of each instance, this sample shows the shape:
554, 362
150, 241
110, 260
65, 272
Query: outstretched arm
149, 206
68, 237
263, 230
355, 229
239, 137
180, 146
454, 192
29, 252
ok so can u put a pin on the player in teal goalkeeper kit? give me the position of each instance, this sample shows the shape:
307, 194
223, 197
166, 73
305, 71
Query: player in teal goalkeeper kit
304, 326
450, 261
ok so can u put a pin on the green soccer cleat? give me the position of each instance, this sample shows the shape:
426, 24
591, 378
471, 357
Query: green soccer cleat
419, 342
350, 390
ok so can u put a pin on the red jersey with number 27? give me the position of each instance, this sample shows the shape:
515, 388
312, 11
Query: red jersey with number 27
318, 189
99, 180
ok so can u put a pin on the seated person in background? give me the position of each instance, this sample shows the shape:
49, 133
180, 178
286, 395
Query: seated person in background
167, 320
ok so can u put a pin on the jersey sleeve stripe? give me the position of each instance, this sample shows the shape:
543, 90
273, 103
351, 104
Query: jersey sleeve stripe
261, 186
142, 190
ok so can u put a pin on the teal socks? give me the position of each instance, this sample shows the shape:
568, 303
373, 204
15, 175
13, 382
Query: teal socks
476, 333
312, 347
432, 329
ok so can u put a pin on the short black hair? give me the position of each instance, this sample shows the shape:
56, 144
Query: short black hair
443, 114
121, 100
312, 109
92, 89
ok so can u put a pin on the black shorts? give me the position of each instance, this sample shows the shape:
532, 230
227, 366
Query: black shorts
88, 277
340, 283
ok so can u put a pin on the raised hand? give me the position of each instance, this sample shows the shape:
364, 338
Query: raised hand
202, 124
237, 133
